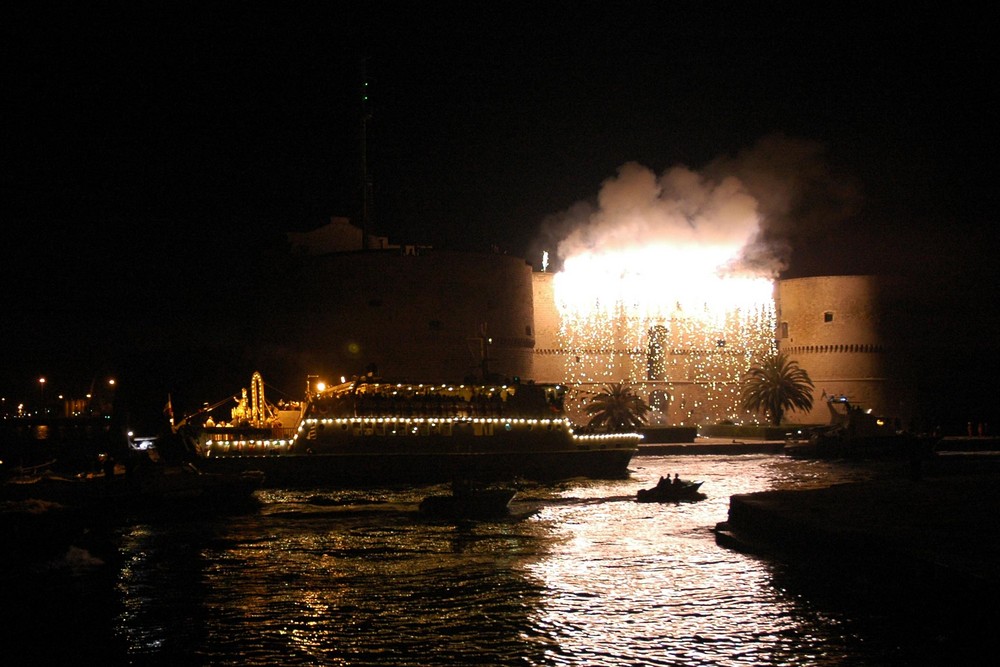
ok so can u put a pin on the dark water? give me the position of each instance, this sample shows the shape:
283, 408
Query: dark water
580, 574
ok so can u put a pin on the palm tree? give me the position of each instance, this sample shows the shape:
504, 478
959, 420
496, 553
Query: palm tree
776, 385
616, 408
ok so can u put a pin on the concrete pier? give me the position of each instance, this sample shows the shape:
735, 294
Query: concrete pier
920, 556
700, 445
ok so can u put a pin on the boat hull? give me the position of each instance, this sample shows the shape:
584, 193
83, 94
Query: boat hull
670, 493
394, 468
171, 489
471, 504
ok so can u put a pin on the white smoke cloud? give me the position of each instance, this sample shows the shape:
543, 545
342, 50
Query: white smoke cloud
758, 203
680, 209
806, 206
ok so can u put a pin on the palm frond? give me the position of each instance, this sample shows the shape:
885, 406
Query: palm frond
615, 407
776, 385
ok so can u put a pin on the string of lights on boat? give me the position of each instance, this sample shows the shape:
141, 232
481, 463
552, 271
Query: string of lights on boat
411, 426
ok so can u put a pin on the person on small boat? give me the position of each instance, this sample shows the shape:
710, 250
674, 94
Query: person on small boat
677, 478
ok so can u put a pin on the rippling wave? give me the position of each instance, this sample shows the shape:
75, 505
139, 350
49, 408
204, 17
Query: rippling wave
579, 574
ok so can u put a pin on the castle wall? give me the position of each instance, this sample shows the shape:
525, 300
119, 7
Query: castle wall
689, 372
427, 317
848, 334
549, 359
439, 316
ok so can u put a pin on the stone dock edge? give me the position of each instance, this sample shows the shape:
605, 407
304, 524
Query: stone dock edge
939, 533
937, 525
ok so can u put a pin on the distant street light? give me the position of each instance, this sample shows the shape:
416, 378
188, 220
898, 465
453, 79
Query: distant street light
41, 383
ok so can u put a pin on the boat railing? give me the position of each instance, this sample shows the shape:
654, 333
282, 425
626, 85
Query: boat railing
235, 433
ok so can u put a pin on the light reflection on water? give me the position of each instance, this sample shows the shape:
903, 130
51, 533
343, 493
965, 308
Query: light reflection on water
641, 583
581, 574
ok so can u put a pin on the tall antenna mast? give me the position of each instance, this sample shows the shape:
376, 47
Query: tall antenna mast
366, 182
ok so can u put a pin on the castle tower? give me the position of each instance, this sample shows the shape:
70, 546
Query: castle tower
407, 313
849, 334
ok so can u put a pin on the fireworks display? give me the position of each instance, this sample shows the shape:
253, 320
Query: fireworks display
686, 336
670, 313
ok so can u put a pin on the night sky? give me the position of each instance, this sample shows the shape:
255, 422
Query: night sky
153, 157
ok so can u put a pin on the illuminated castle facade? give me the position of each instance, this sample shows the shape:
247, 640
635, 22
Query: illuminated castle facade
419, 314
843, 330
686, 366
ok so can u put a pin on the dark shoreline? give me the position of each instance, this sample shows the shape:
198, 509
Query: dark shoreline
935, 520
916, 548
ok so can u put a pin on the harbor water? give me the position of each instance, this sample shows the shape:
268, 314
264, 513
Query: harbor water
579, 574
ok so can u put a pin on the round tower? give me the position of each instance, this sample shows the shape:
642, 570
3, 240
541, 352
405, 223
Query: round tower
847, 333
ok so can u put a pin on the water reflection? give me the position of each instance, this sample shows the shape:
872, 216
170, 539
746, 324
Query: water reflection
639, 583
581, 574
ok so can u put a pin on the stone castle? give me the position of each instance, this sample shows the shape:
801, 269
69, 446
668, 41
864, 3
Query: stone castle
419, 314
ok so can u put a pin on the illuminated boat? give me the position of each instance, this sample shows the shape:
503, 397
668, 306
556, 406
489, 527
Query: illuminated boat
853, 433
372, 432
